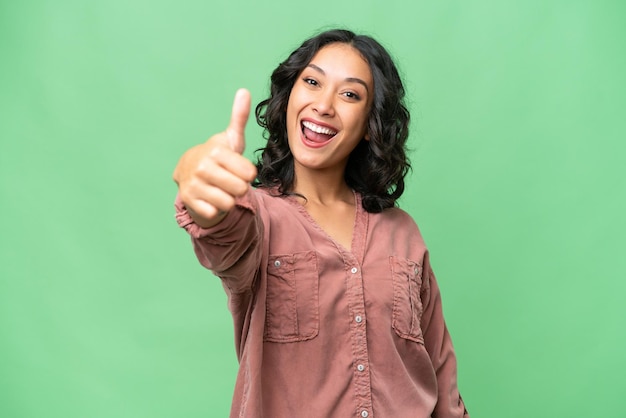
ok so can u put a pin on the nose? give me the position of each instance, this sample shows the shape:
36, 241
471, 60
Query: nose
323, 104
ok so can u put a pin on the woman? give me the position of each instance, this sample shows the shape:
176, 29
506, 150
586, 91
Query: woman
336, 309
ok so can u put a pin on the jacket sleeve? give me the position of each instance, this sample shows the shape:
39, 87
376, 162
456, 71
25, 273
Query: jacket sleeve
439, 346
232, 248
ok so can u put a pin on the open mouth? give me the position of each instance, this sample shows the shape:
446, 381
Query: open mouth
316, 133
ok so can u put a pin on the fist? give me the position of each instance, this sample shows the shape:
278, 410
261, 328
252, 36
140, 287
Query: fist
211, 175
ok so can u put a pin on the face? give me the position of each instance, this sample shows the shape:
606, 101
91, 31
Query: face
328, 109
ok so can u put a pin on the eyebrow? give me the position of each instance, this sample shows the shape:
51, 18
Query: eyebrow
349, 79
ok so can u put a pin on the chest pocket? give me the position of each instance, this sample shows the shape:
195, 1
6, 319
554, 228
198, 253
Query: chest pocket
292, 297
407, 303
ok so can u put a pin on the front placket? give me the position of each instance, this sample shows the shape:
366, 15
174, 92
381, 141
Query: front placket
358, 337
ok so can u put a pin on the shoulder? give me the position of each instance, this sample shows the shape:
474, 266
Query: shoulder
398, 223
268, 197
394, 233
398, 217
274, 207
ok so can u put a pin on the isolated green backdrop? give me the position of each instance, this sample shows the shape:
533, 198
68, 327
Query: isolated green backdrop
518, 185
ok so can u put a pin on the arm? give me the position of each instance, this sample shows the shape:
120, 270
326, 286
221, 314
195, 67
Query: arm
439, 346
213, 179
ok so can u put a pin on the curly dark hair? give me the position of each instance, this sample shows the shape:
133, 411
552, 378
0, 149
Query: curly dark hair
375, 168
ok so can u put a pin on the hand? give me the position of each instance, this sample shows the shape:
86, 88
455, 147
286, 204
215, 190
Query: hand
211, 175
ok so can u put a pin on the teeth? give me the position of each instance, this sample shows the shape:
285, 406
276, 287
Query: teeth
318, 129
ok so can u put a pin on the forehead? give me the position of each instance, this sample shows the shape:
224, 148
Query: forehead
342, 61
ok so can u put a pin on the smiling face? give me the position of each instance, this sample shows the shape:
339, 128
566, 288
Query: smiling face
328, 109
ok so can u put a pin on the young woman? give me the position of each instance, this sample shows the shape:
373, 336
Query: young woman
336, 309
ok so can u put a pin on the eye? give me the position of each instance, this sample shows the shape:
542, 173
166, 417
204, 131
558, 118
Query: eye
352, 95
310, 81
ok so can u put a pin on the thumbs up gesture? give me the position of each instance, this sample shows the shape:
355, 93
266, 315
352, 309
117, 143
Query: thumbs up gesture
211, 175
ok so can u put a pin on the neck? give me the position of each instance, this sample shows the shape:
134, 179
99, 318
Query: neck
322, 187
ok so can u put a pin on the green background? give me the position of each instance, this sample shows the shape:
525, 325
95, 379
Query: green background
518, 186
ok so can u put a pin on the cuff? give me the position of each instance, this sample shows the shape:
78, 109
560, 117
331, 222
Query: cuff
185, 220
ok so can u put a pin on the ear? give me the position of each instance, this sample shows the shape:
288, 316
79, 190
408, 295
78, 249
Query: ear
367, 136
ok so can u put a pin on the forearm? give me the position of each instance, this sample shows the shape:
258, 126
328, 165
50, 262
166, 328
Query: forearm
231, 249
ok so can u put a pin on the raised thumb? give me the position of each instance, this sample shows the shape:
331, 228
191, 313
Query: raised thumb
238, 120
